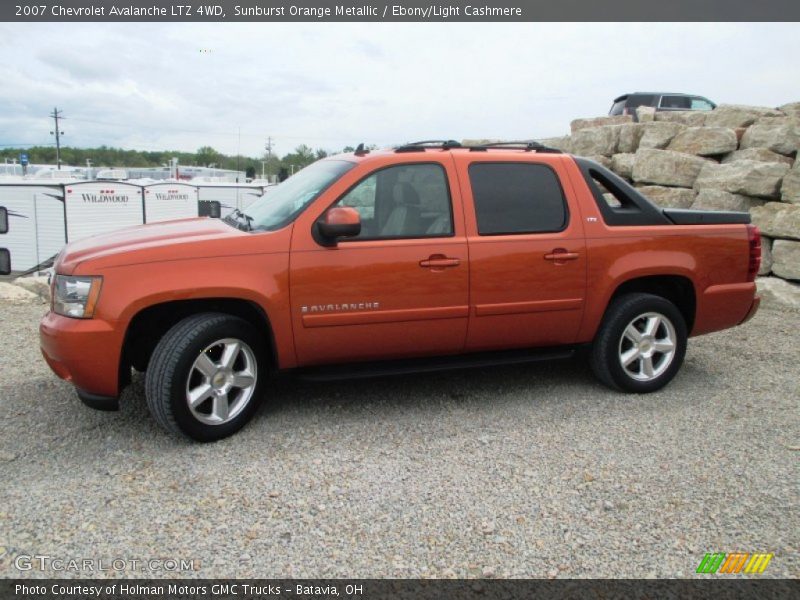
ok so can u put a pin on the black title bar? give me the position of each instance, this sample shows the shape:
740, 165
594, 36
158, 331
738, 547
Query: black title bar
398, 10
713, 587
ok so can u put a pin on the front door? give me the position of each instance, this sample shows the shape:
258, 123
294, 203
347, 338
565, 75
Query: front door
399, 289
527, 253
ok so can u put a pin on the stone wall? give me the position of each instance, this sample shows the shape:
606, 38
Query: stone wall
733, 158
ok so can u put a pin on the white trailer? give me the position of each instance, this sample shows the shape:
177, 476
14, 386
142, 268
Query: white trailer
229, 196
166, 201
44, 215
36, 224
95, 207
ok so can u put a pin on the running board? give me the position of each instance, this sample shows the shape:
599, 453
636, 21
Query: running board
430, 364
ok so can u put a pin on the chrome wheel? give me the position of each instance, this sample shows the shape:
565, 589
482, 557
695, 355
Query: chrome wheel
222, 381
647, 346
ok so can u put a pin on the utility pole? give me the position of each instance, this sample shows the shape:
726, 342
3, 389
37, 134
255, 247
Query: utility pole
268, 148
58, 133
238, 152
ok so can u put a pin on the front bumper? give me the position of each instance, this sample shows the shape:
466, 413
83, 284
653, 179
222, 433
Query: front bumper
107, 403
85, 352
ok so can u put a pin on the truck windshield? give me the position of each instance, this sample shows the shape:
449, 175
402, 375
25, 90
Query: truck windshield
281, 206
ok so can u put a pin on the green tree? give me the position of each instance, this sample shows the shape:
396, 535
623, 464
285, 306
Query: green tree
106, 156
301, 157
206, 156
271, 166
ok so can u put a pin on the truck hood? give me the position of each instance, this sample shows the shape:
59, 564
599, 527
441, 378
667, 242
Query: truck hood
168, 240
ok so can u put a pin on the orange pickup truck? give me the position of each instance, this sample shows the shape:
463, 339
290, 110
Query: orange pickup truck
425, 256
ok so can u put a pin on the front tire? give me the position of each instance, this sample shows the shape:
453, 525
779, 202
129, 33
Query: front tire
206, 376
640, 345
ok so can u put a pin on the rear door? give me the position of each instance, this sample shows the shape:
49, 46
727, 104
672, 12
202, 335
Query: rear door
527, 252
400, 289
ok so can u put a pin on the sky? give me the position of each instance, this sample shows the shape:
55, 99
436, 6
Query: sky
153, 86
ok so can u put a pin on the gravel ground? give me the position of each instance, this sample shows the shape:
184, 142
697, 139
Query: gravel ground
524, 471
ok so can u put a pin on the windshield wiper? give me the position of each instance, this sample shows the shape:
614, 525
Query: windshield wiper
246, 220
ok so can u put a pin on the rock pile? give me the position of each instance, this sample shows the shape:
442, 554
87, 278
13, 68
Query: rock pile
25, 289
733, 158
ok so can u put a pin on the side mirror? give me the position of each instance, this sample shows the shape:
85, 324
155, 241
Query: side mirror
339, 222
5, 261
3, 219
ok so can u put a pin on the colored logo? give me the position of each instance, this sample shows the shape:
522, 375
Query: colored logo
734, 562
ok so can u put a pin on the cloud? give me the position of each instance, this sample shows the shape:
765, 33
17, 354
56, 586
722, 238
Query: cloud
79, 66
182, 86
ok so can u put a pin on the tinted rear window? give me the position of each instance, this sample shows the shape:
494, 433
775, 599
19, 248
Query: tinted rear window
617, 107
517, 198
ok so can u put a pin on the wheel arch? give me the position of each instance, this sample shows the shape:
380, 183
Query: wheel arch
678, 289
150, 323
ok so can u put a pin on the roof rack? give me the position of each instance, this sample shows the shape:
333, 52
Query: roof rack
425, 144
526, 146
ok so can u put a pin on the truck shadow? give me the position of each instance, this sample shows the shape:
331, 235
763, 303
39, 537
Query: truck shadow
47, 409
547, 385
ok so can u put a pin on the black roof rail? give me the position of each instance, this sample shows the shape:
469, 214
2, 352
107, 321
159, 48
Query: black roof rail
526, 146
425, 144
361, 150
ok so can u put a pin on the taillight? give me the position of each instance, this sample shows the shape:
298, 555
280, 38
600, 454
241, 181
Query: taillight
754, 241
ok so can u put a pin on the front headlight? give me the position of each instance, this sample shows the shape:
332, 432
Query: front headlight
76, 296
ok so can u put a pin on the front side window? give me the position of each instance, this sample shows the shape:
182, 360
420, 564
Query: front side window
513, 198
281, 206
3, 219
405, 201
701, 104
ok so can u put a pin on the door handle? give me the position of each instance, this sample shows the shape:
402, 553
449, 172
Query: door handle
561, 254
439, 261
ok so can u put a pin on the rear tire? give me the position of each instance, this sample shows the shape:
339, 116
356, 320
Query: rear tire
206, 376
640, 345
